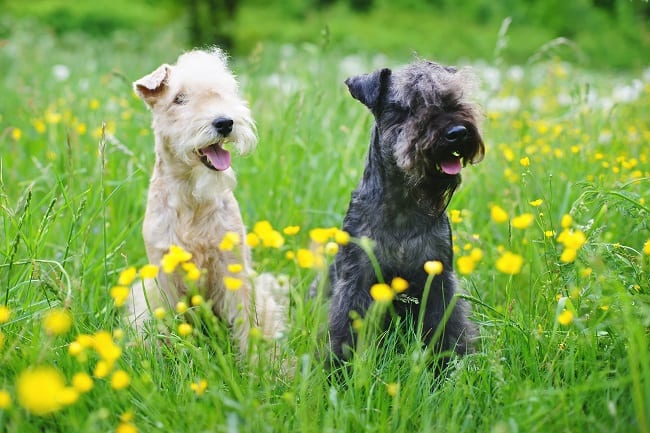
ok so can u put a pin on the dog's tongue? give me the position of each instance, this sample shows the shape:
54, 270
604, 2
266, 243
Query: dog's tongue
218, 156
451, 166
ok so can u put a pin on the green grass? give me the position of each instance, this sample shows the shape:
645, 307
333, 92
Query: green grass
72, 201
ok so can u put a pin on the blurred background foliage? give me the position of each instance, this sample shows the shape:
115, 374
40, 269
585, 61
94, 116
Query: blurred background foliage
608, 34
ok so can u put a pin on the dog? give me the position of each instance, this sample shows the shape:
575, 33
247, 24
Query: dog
425, 130
198, 114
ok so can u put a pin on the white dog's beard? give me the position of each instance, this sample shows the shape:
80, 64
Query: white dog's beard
209, 184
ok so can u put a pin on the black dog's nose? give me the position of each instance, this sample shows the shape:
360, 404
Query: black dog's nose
456, 133
223, 125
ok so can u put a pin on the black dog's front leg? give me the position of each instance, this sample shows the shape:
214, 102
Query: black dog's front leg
351, 293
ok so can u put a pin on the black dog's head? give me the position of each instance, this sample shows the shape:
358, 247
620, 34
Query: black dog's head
426, 125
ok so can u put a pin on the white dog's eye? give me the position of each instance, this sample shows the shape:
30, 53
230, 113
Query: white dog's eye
180, 99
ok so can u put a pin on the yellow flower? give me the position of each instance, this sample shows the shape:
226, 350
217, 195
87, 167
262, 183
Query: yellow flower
149, 271
573, 239
455, 216
41, 390
565, 317
262, 227
290, 255
184, 329
497, 214
120, 380
566, 221
536, 203
5, 314
57, 321
5, 399
272, 239
181, 307
305, 258
173, 258
126, 427
291, 230
646, 248
252, 240
232, 284
321, 235
465, 265
106, 348
525, 161
82, 382
230, 241
549, 233
196, 300
331, 248
75, 348
523, 221
93, 104
199, 387
381, 292
119, 295
101, 370
255, 333
399, 284
509, 263
433, 267
342, 237
235, 268
392, 389
476, 254
568, 255
16, 133
192, 272
159, 313
127, 276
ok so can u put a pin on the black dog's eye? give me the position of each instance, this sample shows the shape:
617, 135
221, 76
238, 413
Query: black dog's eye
180, 99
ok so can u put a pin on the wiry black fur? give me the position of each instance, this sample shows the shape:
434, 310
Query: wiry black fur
401, 200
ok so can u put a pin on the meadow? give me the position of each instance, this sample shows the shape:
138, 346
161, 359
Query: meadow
551, 234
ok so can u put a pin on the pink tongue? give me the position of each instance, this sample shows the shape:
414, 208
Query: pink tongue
218, 156
451, 166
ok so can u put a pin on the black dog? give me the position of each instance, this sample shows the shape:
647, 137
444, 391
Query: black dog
425, 130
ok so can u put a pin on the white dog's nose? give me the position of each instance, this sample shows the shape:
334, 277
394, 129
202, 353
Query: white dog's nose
223, 125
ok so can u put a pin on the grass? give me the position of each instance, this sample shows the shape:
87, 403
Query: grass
76, 153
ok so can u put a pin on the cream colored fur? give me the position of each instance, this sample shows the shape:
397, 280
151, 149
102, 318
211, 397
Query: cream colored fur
193, 206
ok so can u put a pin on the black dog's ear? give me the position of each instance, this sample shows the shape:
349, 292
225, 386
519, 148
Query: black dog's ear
368, 88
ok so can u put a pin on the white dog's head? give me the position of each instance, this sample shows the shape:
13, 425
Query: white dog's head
197, 110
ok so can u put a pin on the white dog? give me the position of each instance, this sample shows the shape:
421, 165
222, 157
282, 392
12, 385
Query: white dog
197, 115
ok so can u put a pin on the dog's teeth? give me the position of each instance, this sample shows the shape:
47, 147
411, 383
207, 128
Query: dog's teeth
456, 153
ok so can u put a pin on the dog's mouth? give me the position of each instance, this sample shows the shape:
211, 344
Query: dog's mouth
215, 157
451, 164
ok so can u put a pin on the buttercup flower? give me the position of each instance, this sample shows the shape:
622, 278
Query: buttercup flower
509, 263
433, 267
230, 241
235, 268
646, 248
149, 271
305, 258
159, 313
199, 387
192, 272
381, 292
127, 276
331, 248
523, 221
536, 203
465, 264
5, 399
291, 230
498, 215
126, 427
120, 380
5, 314
232, 283
173, 258
342, 237
399, 284
196, 300
181, 307
57, 321
42, 390
392, 389
184, 329
82, 382
119, 294
565, 317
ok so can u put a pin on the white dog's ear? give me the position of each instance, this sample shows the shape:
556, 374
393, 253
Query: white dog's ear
151, 86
